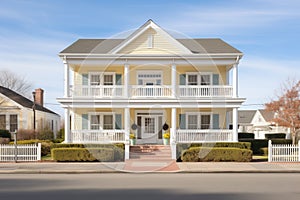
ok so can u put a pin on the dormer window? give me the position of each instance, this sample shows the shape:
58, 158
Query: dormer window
150, 41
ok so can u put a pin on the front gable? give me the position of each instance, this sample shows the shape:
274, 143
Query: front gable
150, 39
6, 103
259, 120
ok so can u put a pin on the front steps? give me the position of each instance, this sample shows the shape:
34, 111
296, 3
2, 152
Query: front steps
150, 158
150, 152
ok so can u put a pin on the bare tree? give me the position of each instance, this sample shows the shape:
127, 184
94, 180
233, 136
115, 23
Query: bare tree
15, 82
287, 107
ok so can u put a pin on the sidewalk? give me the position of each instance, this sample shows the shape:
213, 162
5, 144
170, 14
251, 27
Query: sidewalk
151, 166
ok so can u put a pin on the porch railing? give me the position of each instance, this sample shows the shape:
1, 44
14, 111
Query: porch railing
151, 91
98, 136
193, 136
205, 91
97, 90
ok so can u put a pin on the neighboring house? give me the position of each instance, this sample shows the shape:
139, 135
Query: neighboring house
16, 112
138, 84
259, 122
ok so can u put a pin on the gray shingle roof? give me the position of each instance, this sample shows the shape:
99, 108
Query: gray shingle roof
23, 100
244, 116
103, 46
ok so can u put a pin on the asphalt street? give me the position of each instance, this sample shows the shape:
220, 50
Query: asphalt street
182, 186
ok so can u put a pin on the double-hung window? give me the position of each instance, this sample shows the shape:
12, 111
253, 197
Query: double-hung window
13, 123
101, 121
199, 79
198, 121
2, 122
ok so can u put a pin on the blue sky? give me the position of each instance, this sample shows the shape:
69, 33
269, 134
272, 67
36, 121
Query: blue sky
32, 33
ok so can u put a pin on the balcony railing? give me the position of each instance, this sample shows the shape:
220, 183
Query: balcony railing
98, 91
98, 136
205, 91
193, 136
140, 91
151, 91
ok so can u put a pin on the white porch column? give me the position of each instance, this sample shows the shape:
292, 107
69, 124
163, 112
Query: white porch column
126, 80
235, 124
67, 126
127, 131
66, 78
173, 133
174, 72
235, 80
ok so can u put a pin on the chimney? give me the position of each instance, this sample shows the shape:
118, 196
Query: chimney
39, 96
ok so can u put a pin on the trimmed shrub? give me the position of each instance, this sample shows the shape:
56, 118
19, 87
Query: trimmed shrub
82, 154
45, 145
245, 135
256, 145
5, 134
57, 140
45, 134
23, 134
118, 149
203, 154
264, 151
275, 136
241, 145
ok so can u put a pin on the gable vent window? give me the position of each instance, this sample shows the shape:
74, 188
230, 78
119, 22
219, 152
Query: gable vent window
150, 41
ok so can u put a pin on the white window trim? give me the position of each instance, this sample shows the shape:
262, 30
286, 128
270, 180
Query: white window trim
199, 77
198, 118
101, 74
101, 119
139, 72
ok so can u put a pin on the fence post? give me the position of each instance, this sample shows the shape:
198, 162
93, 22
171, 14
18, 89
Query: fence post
270, 151
39, 151
298, 150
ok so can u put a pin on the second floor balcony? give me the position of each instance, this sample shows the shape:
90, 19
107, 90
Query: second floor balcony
153, 91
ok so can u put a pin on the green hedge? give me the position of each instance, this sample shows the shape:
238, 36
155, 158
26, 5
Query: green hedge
275, 136
5, 134
203, 154
245, 135
82, 154
184, 146
119, 149
256, 145
45, 148
264, 151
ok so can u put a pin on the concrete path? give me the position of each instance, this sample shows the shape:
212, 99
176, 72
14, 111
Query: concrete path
150, 166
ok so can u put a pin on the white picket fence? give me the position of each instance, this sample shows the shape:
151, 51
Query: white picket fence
25, 152
283, 152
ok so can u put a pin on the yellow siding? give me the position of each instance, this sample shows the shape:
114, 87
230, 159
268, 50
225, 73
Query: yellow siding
221, 70
220, 111
161, 45
166, 72
77, 125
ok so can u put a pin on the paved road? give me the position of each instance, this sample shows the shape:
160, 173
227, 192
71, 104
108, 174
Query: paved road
150, 186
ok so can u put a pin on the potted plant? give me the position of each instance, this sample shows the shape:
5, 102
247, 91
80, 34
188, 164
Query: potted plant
166, 138
132, 139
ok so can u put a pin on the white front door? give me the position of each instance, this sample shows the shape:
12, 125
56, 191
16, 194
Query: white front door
149, 129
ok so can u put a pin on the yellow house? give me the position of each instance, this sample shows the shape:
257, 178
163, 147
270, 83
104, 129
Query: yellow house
17, 112
148, 84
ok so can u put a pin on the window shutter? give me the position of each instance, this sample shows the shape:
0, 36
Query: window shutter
182, 121
215, 79
118, 121
85, 121
216, 121
182, 78
85, 79
118, 79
